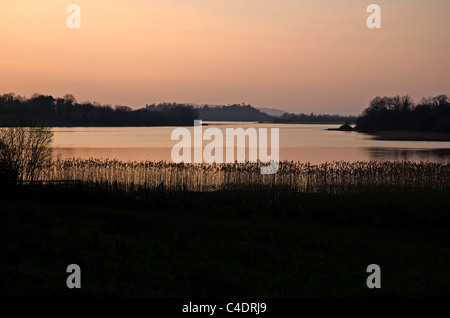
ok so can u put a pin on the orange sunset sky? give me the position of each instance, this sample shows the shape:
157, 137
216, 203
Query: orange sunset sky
296, 55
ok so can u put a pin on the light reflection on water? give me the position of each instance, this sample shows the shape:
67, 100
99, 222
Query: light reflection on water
311, 143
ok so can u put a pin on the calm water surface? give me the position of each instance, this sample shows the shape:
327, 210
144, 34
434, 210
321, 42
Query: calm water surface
311, 143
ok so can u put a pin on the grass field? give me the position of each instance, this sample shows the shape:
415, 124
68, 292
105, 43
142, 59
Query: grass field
224, 243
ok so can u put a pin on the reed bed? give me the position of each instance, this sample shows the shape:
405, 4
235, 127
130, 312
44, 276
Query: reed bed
332, 177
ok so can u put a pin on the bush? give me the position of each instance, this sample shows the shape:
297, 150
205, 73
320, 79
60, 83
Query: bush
24, 151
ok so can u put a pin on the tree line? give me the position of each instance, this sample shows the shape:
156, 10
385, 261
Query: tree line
431, 114
314, 118
66, 111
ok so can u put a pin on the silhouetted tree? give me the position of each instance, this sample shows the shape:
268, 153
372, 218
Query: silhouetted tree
24, 151
313, 118
400, 113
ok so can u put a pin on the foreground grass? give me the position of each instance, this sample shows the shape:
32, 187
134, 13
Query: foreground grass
207, 246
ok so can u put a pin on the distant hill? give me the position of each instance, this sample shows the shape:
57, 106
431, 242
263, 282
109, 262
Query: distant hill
272, 111
235, 112
269, 111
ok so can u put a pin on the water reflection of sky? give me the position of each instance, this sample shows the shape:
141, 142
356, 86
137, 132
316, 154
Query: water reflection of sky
435, 155
304, 143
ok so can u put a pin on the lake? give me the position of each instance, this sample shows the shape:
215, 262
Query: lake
308, 142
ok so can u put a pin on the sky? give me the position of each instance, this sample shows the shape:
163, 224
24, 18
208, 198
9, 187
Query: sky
297, 55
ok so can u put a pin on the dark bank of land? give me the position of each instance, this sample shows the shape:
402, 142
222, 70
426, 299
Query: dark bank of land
398, 113
224, 243
391, 118
399, 118
314, 119
67, 112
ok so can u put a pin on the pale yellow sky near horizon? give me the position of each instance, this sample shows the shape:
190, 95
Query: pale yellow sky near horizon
300, 56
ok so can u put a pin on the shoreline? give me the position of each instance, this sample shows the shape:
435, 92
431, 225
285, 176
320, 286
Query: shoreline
410, 135
401, 135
